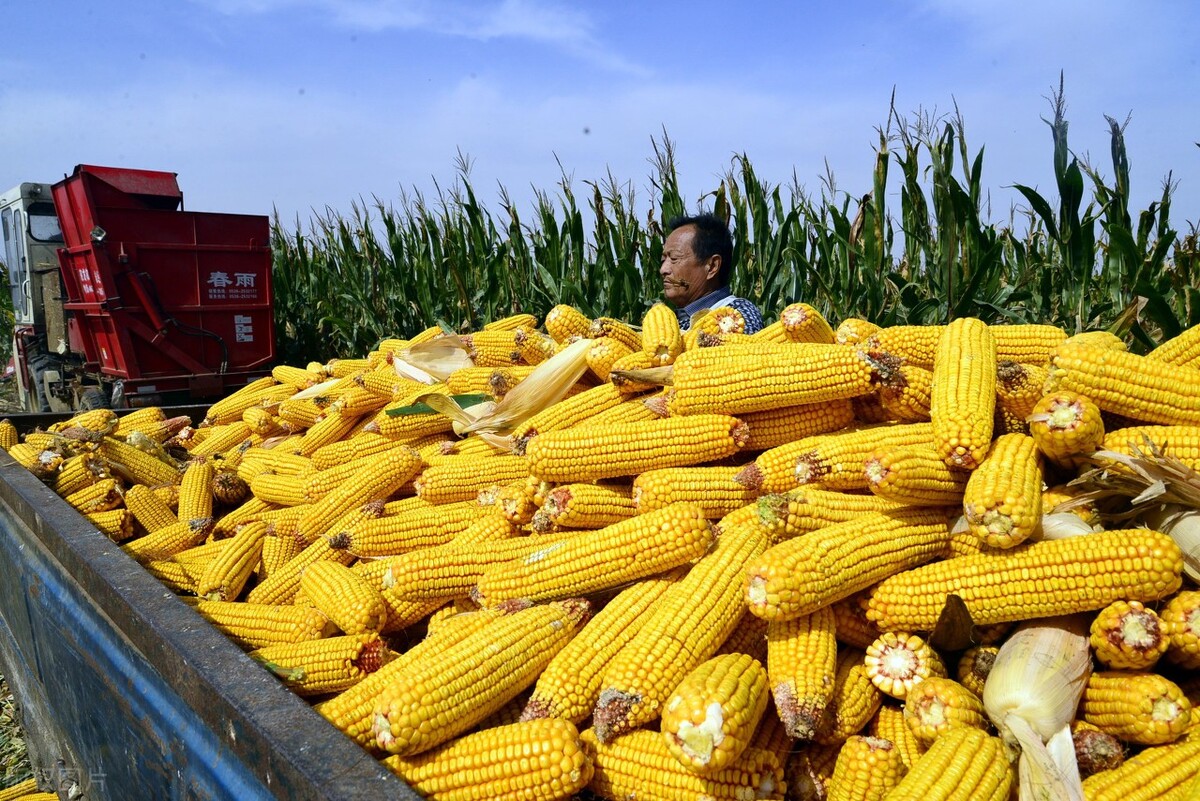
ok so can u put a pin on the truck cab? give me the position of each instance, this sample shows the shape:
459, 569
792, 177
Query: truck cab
30, 236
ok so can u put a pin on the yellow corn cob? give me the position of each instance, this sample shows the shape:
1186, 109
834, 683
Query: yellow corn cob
799, 576
907, 393
301, 413
274, 461
850, 621
564, 322
426, 335
519, 500
1098, 339
252, 625
639, 766
553, 764
227, 574
377, 478
810, 769
78, 472
148, 509
806, 509
721, 320
168, 494
42, 463
866, 769
1182, 349
356, 402
534, 346
228, 488
570, 685
915, 344
631, 410
319, 483
1156, 774
938, 704
352, 710
232, 406
661, 337
689, 624
1018, 389
585, 563
574, 506
284, 582
1143, 708
711, 488
340, 368
760, 376
566, 413
588, 454
195, 490
329, 429
497, 381
854, 701
709, 718
492, 348
869, 409
452, 570
1128, 384
974, 666
801, 663
99, 497
296, 377
832, 461
139, 466
897, 662
1066, 427
328, 665
889, 724
1042, 579
402, 614
1128, 636
386, 384
1181, 617
803, 323
434, 701
472, 448
344, 597
627, 384
748, 637
276, 552
169, 540
153, 424
963, 403
281, 490
410, 426
1003, 497
116, 524
774, 427
462, 479
8, 434
421, 527
603, 353
1178, 442
914, 475
97, 421
853, 331
962, 765
222, 439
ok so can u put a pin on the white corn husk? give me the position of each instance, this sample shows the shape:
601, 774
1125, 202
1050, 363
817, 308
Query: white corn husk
545, 386
1182, 525
1061, 525
1031, 696
432, 361
315, 391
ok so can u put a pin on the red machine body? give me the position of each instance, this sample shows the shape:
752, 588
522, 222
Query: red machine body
162, 299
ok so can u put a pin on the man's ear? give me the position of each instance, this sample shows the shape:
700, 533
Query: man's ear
712, 267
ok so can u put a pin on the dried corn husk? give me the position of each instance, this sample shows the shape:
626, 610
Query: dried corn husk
432, 361
1182, 525
1061, 525
1031, 696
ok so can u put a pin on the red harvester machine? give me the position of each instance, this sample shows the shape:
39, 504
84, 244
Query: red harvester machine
156, 304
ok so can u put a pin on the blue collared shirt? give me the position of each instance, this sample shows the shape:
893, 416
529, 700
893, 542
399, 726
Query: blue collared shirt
748, 310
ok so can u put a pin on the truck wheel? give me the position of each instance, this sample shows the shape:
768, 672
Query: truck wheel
92, 398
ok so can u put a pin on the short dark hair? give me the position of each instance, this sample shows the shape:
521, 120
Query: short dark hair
712, 239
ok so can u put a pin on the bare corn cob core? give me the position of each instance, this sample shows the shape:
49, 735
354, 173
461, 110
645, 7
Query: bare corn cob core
553, 764
1042, 579
639, 765
1127, 635
709, 718
801, 663
963, 403
592, 453
1003, 497
799, 576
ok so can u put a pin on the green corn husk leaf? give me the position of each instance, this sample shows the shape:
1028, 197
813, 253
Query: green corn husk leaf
1031, 696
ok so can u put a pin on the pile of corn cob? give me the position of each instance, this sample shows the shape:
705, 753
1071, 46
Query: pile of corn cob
722, 566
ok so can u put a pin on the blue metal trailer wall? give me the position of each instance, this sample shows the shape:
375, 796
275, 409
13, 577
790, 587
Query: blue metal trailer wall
128, 694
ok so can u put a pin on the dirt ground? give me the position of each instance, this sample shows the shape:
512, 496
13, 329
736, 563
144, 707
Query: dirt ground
14, 762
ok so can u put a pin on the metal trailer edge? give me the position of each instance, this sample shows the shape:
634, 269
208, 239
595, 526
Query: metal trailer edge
127, 693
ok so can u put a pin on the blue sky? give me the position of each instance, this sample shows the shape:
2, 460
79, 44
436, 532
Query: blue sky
306, 104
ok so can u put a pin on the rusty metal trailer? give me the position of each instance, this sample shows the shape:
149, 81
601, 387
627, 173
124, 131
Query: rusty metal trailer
126, 693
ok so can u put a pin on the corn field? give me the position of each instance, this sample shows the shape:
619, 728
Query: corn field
1073, 261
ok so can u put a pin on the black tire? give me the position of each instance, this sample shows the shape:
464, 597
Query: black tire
92, 398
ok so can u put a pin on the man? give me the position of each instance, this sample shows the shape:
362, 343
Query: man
697, 260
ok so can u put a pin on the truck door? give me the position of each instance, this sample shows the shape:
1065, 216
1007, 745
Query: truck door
13, 234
